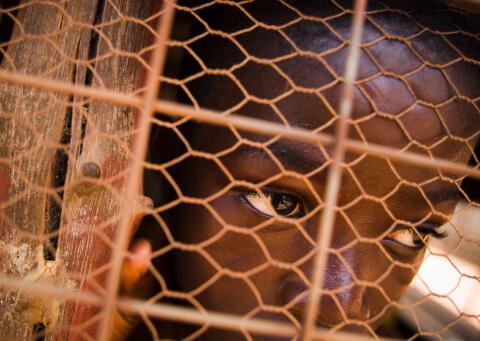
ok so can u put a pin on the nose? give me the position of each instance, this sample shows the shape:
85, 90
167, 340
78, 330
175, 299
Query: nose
342, 301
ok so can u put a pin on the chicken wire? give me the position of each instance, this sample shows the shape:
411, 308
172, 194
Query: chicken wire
84, 83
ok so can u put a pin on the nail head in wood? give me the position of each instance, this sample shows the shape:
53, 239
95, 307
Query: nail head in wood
91, 170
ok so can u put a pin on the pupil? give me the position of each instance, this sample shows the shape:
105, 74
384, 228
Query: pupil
284, 204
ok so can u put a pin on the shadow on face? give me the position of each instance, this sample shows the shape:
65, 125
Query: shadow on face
245, 208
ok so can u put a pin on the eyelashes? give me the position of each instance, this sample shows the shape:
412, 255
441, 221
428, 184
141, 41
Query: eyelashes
436, 231
272, 203
409, 238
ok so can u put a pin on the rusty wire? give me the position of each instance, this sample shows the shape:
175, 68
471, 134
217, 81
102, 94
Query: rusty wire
95, 292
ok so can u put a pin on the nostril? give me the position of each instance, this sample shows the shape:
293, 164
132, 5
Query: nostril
337, 305
334, 310
329, 314
354, 304
293, 291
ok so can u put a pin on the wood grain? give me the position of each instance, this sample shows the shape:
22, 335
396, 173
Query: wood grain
56, 41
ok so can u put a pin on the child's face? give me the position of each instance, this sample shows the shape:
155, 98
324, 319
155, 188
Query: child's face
273, 258
247, 260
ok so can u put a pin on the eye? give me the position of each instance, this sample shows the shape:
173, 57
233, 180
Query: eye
409, 238
276, 204
406, 237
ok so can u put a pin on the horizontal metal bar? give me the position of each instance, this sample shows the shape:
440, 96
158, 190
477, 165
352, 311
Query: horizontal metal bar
178, 313
246, 123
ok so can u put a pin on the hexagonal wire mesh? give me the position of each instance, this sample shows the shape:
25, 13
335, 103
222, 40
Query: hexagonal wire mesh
276, 169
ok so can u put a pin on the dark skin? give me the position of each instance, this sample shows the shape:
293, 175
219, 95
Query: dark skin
261, 227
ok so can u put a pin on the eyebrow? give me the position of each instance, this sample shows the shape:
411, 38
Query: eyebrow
299, 156
443, 194
303, 157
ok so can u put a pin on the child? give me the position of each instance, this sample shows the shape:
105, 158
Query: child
244, 208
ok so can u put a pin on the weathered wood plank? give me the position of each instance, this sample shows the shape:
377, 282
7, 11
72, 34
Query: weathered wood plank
83, 245
44, 43
53, 40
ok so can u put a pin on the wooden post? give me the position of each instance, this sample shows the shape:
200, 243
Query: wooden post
54, 40
96, 183
31, 122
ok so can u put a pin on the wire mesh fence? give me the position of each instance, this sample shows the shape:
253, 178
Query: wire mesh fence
251, 170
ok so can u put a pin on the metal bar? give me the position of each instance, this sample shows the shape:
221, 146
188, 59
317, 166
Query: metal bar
139, 149
271, 128
246, 123
44, 289
177, 313
334, 177
68, 88
233, 322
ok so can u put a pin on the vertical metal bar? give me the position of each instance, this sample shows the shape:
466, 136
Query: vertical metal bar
139, 152
334, 177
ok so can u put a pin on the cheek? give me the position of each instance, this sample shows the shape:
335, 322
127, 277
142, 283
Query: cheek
393, 285
232, 210
381, 262
399, 278
237, 252
230, 295
287, 246
193, 223
387, 272
453, 150
391, 288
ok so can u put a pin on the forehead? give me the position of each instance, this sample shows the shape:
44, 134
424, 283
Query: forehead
418, 89
417, 85
418, 81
